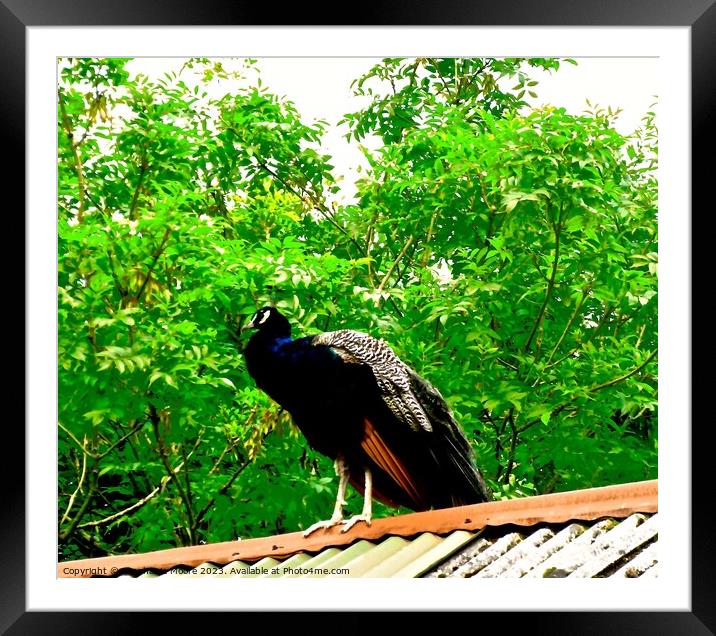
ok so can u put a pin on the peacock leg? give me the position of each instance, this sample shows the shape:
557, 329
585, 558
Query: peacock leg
367, 504
337, 516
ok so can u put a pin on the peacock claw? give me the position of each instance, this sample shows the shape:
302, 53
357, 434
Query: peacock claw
349, 523
329, 523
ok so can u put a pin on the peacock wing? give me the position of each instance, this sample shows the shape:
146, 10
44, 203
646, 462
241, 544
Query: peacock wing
392, 375
413, 401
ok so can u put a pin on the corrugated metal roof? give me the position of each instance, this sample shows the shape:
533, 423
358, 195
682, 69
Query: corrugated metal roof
589, 533
609, 547
391, 557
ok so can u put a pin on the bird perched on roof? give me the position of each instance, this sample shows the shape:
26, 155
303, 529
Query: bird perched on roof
390, 433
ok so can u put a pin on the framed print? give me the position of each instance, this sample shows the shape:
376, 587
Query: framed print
128, 465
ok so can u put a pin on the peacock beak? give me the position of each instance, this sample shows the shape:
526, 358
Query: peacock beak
249, 325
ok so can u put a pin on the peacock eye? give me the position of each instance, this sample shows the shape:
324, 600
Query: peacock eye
264, 318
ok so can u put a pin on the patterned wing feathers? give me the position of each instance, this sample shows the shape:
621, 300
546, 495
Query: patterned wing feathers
391, 373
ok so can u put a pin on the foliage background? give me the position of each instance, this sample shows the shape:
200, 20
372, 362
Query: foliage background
508, 254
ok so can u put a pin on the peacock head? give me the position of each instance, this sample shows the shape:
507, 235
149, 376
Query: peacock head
268, 319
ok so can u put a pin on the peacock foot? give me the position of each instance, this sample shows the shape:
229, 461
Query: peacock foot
333, 521
349, 523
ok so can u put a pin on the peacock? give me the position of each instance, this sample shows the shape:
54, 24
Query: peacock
390, 433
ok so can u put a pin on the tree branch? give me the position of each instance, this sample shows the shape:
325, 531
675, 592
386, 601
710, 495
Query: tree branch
136, 504
368, 242
429, 237
513, 447
221, 491
231, 445
228, 483
570, 322
158, 252
187, 481
483, 189
317, 204
117, 515
595, 331
155, 419
80, 445
135, 429
135, 196
498, 446
67, 533
550, 288
77, 490
593, 389
641, 335
394, 264
67, 127
113, 271
621, 378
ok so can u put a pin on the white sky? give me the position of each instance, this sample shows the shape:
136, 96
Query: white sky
320, 89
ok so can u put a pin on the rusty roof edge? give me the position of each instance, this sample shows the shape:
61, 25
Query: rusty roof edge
608, 501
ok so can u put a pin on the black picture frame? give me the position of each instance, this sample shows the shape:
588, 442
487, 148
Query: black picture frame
700, 15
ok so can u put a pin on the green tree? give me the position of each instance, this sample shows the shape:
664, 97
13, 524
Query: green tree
508, 254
